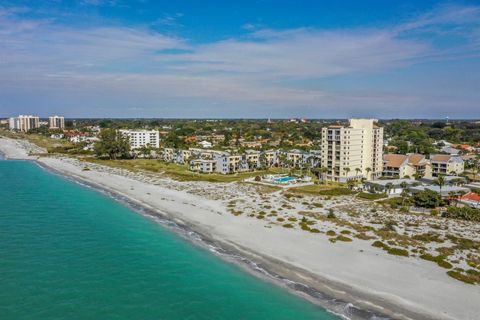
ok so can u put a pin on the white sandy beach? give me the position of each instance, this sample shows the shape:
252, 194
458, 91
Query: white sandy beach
404, 288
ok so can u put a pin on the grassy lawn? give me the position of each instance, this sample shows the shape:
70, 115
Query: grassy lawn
175, 171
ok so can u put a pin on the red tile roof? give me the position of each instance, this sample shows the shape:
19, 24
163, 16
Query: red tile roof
471, 196
394, 160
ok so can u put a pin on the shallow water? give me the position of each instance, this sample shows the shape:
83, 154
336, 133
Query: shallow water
70, 252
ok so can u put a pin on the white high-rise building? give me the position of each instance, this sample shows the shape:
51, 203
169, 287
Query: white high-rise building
56, 122
24, 123
141, 138
352, 152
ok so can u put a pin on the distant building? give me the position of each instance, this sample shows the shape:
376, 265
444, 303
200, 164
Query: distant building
24, 123
56, 122
205, 144
450, 150
353, 152
142, 138
444, 164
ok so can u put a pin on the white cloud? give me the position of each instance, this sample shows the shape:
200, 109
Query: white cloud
264, 68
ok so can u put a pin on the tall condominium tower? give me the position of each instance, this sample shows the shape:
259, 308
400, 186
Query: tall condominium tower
56, 122
352, 152
24, 123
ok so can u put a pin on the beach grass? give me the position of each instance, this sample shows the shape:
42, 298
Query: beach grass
315, 189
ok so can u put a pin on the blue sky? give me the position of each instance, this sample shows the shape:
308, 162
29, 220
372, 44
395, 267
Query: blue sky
253, 59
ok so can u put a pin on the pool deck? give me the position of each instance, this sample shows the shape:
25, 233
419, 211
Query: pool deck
280, 185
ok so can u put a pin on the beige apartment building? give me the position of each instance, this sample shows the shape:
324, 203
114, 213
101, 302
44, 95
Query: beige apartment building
56, 122
354, 151
24, 123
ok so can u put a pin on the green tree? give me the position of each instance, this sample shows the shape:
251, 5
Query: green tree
113, 144
440, 182
427, 199
146, 151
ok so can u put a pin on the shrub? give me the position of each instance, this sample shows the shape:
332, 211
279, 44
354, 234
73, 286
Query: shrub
258, 178
428, 237
280, 219
389, 225
304, 227
314, 230
444, 264
371, 196
318, 205
363, 236
463, 213
345, 232
293, 219
331, 233
461, 277
288, 225
427, 199
343, 238
398, 252
336, 192
331, 214
380, 244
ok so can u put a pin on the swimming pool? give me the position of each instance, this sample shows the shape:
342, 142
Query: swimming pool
284, 179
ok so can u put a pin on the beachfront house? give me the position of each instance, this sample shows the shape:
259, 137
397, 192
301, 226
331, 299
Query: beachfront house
406, 166
445, 164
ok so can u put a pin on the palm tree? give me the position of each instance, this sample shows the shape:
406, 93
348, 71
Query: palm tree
283, 159
368, 172
323, 171
263, 161
357, 170
474, 169
404, 195
440, 182
389, 186
347, 170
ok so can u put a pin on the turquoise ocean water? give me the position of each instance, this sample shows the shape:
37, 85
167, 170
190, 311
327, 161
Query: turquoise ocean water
70, 252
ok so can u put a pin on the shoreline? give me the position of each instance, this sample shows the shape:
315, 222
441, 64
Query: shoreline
296, 275
266, 268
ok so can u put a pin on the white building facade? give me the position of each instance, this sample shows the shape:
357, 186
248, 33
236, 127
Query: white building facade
142, 138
